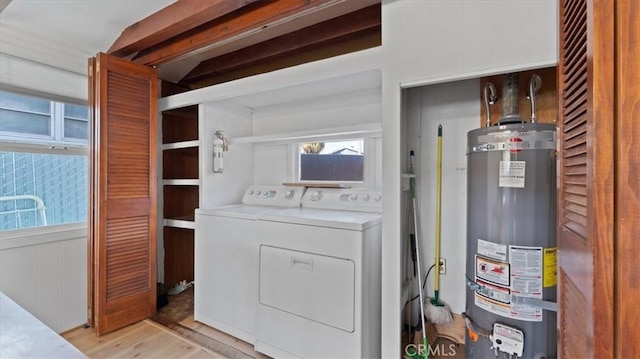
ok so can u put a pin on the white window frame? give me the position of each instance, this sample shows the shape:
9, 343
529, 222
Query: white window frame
25, 137
56, 138
369, 165
71, 140
54, 144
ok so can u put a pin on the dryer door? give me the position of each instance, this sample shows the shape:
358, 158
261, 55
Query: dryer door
312, 286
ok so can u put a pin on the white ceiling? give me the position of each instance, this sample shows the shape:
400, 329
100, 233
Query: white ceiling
65, 33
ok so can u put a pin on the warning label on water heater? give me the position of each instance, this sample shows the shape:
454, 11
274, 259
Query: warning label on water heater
526, 271
492, 271
511, 174
499, 282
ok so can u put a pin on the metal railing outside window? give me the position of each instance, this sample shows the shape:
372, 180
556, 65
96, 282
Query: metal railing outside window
43, 162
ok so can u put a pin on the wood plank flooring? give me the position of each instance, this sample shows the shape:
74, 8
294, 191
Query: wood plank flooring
145, 339
148, 339
223, 338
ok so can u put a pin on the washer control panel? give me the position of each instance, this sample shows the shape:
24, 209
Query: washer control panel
273, 196
363, 200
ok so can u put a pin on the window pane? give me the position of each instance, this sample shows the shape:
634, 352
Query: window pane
23, 122
75, 111
336, 161
75, 129
59, 181
24, 103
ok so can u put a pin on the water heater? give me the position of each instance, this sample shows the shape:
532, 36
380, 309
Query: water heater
511, 242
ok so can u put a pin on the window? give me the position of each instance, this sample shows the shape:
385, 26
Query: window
332, 161
76, 122
34, 120
42, 185
25, 115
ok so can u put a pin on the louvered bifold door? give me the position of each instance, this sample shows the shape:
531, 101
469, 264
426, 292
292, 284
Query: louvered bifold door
585, 153
124, 154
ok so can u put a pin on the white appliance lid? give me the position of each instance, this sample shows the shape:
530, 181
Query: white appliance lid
243, 211
349, 220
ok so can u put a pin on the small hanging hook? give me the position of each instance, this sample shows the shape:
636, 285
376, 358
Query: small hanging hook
225, 143
490, 98
534, 86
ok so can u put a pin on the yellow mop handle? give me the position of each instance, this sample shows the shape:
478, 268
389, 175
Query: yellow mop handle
436, 286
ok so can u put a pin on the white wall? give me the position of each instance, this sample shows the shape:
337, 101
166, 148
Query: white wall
448, 37
455, 106
342, 109
218, 189
38, 79
273, 163
47, 274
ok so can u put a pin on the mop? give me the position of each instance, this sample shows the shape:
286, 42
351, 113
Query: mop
435, 309
425, 352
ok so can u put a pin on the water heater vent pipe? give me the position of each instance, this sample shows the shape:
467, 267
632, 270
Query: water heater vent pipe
510, 100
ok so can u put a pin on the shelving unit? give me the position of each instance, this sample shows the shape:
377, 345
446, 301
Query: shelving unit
335, 98
180, 191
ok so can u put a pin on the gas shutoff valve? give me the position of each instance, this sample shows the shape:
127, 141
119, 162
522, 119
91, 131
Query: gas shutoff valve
507, 339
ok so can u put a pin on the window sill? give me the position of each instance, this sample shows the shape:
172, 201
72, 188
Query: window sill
39, 235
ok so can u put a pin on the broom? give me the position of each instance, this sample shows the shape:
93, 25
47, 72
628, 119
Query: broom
417, 354
436, 310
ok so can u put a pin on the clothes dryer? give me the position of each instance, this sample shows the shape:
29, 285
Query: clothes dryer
319, 277
226, 259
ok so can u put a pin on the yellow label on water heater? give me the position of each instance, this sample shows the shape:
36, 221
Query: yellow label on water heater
550, 258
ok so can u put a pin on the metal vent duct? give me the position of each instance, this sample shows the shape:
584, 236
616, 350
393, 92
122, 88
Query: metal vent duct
510, 100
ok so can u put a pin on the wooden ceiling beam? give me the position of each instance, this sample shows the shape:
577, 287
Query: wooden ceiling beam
251, 20
321, 34
173, 20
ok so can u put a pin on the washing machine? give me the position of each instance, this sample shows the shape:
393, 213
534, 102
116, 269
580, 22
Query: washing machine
319, 277
226, 259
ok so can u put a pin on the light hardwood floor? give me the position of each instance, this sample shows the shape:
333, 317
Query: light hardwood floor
148, 339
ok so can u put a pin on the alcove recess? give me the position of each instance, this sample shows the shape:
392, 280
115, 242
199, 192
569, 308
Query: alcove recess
180, 188
546, 99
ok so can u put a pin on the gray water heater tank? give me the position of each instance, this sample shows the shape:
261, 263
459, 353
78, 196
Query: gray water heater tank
511, 241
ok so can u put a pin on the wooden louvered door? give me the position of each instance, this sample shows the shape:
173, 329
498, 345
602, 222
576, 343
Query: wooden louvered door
627, 249
123, 180
585, 175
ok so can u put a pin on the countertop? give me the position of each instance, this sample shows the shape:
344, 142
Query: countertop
23, 336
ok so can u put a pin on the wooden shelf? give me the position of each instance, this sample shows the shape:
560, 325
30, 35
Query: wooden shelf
178, 255
185, 222
180, 125
336, 133
180, 163
180, 145
180, 190
181, 182
180, 201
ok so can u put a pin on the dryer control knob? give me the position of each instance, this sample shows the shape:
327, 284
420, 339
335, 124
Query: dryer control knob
258, 193
365, 197
377, 198
289, 194
354, 197
315, 196
251, 192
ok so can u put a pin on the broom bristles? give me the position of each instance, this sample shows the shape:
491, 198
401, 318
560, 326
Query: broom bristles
437, 314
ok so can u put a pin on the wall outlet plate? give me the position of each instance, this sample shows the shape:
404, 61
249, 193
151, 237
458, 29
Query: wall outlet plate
443, 266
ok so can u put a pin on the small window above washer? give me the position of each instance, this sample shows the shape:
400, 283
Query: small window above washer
331, 161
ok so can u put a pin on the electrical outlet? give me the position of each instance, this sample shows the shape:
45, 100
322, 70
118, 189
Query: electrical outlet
443, 266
